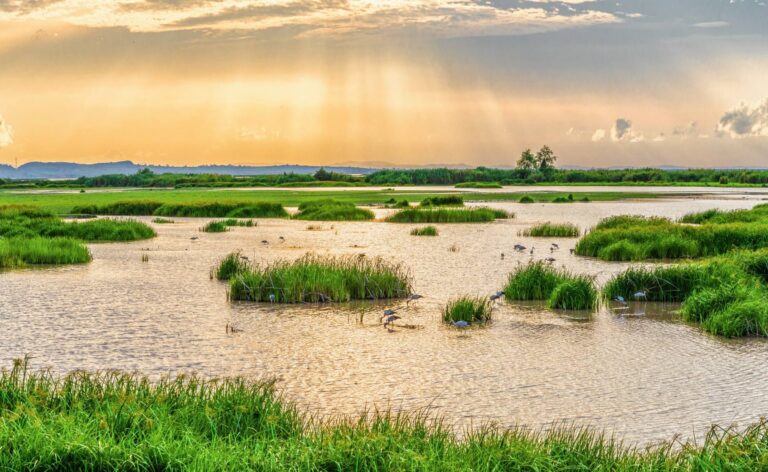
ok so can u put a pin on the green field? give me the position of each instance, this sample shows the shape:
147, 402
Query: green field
63, 201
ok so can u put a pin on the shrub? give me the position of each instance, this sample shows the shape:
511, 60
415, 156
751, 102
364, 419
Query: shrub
527, 199
331, 210
314, 279
469, 309
550, 230
425, 231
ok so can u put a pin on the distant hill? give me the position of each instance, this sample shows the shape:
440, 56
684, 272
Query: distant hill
70, 170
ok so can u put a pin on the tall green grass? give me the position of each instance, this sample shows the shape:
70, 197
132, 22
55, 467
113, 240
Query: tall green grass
230, 266
215, 227
551, 230
726, 295
120, 421
222, 210
21, 252
541, 281
314, 279
331, 210
446, 200
424, 231
448, 215
128, 208
469, 309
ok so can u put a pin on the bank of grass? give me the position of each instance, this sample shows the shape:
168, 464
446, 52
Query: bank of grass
223, 209
443, 200
726, 295
478, 185
468, 308
332, 210
635, 238
448, 215
120, 421
539, 280
124, 208
63, 203
424, 231
317, 279
22, 252
552, 230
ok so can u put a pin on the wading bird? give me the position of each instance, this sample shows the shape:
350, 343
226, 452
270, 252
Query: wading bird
265, 242
554, 246
389, 317
502, 256
496, 296
550, 259
194, 238
639, 295
619, 299
532, 248
520, 248
461, 324
271, 298
413, 297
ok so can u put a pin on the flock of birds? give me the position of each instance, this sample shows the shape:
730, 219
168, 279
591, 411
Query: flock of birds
519, 248
389, 316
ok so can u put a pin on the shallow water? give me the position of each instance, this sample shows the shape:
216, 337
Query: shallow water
642, 378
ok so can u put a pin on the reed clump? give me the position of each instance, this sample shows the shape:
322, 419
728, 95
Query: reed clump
22, 252
446, 200
526, 199
448, 215
468, 308
231, 265
425, 231
551, 230
332, 210
317, 279
215, 227
120, 421
539, 280
125, 208
163, 221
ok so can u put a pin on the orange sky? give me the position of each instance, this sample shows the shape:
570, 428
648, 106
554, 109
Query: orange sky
327, 82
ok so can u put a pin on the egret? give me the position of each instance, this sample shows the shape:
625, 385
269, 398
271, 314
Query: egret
461, 324
620, 300
271, 298
639, 295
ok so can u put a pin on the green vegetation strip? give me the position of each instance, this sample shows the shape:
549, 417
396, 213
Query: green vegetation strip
318, 279
204, 209
448, 215
551, 230
331, 210
120, 421
561, 289
446, 200
63, 203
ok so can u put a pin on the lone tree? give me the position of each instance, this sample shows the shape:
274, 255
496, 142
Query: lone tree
527, 161
545, 159
323, 174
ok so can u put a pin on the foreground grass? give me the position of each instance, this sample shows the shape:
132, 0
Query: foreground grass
445, 215
551, 230
119, 421
332, 210
63, 203
318, 279
635, 238
561, 289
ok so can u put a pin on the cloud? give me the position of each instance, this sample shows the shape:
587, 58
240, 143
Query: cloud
25, 6
691, 129
745, 121
6, 133
598, 136
162, 5
621, 129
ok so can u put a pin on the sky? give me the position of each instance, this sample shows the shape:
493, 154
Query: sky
385, 82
